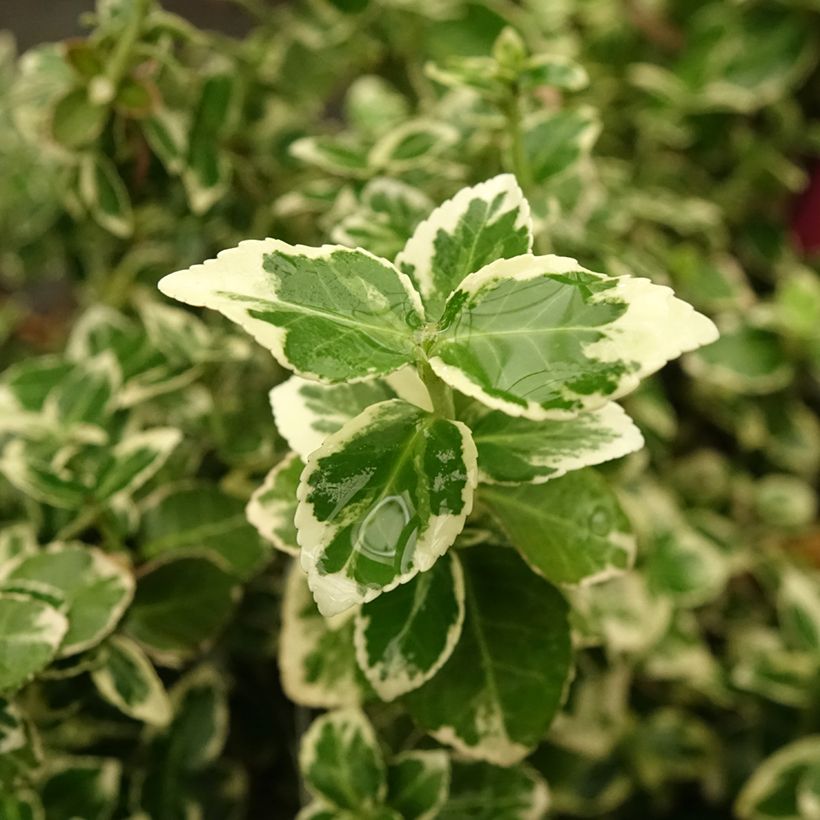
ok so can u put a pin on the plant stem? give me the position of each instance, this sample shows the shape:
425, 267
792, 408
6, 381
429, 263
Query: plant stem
518, 156
441, 394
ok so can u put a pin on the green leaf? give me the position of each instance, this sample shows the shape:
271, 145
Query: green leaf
86, 787
97, 589
541, 337
418, 784
273, 505
745, 359
516, 450
553, 70
135, 460
480, 791
386, 218
405, 636
773, 789
16, 540
128, 681
77, 121
30, 474
181, 604
381, 500
798, 605
195, 516
411, 144
571, 530
33, 378
555, 142
22, 805
341, 761
317, 661
501, 687
207, 172
335, 155
330, 313
307, 412
686, 566
166, 134
30, 634
105, 195
477, 226
87, 392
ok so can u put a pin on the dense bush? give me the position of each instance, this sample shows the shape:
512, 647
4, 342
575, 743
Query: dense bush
530, 600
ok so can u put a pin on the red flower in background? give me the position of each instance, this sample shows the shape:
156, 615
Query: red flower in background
806, 217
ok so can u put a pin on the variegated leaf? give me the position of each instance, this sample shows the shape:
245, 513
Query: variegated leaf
497, 694
541, 337
135, 460
81, 787
381, 500
571, 530
30, 634
342, 763
517, 450
272, 507
329, 313
481, 791
477, 226
405, 636
128, 681
418, 783
96, 588
307, 412
317, 662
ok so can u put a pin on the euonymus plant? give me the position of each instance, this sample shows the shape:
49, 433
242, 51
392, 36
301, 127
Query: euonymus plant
467, 361
557, 576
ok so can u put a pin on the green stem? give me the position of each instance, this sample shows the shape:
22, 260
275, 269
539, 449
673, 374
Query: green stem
118, 63
518, 156
441, 394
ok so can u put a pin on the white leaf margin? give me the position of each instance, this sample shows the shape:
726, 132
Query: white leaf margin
400, 681
336, 592
655, 328
239, 270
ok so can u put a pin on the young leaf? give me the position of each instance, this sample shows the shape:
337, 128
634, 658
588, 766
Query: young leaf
404, 637
195, 516
273, 505
497, 694
381, 500
477, 226
418, 784
517, 450
335, 155
96, 587
342, 763
569, 530
329, 313
480, 791
541, 337
30, 634
181, 604
307, 412
128, 681
317, 662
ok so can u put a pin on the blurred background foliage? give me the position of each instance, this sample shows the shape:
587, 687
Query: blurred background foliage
665, 138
